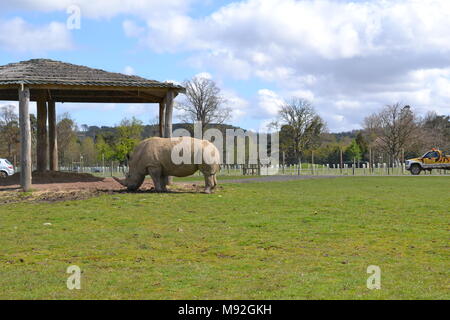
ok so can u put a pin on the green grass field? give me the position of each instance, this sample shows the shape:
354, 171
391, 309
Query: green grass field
310, 239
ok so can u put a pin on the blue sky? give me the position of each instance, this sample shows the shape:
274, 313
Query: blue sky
349, 58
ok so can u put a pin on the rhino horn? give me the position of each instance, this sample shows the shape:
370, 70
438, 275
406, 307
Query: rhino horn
121, 181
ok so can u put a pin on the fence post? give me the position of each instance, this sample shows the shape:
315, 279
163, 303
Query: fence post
299, 165
103, 164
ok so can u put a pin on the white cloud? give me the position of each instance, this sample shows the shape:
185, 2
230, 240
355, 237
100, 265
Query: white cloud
348, 57
269, 102
128, 70
103, 8
131, 29
238, 105
75, 107
203, 75
347, 104
338, 117
303, 94
15, 104
17, 35
345, 56
140, 110
174, 82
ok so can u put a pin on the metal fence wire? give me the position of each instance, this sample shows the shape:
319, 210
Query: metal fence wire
362, 169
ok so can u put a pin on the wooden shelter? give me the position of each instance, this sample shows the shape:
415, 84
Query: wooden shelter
47, 82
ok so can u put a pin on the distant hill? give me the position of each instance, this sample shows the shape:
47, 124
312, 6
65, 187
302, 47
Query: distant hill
153, 131
147, 132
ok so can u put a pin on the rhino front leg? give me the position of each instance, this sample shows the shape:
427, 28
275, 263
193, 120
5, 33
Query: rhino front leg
164, 182
156, 173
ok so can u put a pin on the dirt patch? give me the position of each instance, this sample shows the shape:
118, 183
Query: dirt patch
46, 196
66, 181
63, 186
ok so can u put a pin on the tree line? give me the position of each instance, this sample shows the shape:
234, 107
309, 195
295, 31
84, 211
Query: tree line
392, 134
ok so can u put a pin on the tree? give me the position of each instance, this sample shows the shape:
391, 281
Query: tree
84, 127
362, 144
353, 151
72, 152
129, 134
67, 135
435, 131
88, 151
328, 153
203, 103
301, 126
394, 127
9, 130
103, 149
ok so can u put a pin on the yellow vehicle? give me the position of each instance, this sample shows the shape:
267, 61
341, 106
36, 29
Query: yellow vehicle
434, 159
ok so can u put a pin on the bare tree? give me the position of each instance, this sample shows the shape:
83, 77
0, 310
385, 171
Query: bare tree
300, 126
435, 131
203, 103
393, 127
9, 129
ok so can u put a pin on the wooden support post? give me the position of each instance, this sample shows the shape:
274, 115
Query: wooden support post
52, 136
168, 121
25, 139
162, 110
168, 114
42, 145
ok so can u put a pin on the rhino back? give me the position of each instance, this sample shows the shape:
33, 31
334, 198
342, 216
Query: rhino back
157, 152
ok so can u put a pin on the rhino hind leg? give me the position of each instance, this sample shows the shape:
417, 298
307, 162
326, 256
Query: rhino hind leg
215, 182
209, 173
209, 183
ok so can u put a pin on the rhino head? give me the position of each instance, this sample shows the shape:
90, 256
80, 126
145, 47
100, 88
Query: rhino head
131, 182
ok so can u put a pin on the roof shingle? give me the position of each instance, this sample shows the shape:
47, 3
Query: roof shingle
45, 71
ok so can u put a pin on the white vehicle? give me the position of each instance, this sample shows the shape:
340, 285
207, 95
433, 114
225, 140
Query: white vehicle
6, 168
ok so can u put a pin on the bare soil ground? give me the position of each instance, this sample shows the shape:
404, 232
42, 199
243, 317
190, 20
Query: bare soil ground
61, 186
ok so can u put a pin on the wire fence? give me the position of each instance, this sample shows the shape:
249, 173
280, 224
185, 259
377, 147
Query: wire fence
362, 169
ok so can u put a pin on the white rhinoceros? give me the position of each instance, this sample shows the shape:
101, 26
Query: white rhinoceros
159, 157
